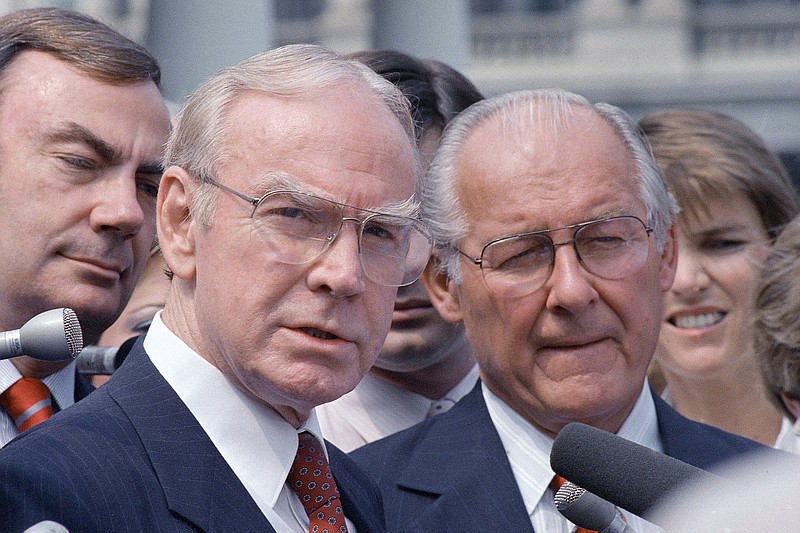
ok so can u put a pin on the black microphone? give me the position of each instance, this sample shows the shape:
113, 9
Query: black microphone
54, 335
589, 511
629, 475
103, 360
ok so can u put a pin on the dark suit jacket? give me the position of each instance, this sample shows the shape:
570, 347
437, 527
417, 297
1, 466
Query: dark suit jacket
131, 457
450, 473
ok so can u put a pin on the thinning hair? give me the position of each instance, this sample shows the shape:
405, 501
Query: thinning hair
706, 154
83, 42
197, 142
776, 331
516, 112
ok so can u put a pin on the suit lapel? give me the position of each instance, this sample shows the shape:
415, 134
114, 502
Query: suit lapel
362, 506
459, 462
197, 482
82, 386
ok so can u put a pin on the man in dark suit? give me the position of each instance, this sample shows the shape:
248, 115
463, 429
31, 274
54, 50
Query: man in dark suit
287, 216
82, 130
555, 244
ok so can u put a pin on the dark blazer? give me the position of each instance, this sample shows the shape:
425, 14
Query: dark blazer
131, 457
450, 472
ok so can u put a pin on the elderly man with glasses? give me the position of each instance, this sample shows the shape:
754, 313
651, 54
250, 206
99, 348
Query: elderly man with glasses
288, 217
555, 244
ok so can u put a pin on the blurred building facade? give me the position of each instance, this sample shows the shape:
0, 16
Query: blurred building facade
740, 57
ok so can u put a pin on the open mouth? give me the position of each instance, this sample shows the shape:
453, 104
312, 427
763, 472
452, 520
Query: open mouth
319, 334
702, 320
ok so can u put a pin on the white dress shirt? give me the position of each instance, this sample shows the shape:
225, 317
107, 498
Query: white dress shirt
377, 408
789, 438
256, 442
528, 451
61, 385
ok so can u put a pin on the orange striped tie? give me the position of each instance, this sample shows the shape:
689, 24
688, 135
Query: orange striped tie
27, 402
555, 485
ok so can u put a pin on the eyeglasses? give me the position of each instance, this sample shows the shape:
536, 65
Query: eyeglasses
611, 248
298, 227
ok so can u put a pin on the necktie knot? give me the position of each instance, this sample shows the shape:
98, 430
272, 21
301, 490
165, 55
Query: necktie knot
311, 479
27, 402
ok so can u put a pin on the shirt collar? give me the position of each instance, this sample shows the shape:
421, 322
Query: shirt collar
257, 443
528, 448
61, 383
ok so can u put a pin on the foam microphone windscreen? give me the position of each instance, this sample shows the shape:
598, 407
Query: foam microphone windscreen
629, 475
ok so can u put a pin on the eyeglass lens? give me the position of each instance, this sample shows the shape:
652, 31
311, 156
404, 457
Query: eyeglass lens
297, 228
612, 248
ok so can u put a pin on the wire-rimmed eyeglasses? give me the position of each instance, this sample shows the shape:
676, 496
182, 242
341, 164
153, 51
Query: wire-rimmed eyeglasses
611, 248
297, 227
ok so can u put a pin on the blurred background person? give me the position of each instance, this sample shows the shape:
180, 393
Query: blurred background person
81, 142
426, 364
148, 297
777, 329
735, 197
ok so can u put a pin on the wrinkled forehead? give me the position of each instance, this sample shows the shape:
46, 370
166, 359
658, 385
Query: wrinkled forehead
341, 143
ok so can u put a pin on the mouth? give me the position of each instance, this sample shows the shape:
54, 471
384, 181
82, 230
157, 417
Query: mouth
406, 305
696, 321
101, 267
319, 334
412, 314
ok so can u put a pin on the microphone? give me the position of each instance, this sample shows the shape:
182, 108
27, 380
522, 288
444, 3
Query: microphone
54, 335
629, 475
589, 511
103, 360
48, 526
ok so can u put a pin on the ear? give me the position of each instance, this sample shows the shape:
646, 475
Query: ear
792, 404
176, 228
442, 291
669, 258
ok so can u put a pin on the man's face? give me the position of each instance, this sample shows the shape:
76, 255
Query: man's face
295, 335
419, 336
79, 173
576, 349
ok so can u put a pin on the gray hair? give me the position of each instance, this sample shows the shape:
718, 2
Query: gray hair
293, 70
516, 111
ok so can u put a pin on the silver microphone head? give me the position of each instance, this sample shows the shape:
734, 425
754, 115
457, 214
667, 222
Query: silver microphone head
583, 508
54, 335
72, 330
568, 493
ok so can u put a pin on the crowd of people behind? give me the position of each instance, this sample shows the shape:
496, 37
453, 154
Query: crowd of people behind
365, 297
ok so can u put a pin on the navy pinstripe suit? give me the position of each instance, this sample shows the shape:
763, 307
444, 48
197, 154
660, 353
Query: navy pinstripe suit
131, 457
450, 472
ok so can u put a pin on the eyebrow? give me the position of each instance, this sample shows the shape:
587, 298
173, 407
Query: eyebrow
72, 132
408, 208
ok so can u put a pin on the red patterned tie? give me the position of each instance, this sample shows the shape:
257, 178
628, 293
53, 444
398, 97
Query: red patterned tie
310, 477
555, 484
27, 402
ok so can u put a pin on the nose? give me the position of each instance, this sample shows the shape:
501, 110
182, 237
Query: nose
118, 208
691, 276
338, 270
569, 286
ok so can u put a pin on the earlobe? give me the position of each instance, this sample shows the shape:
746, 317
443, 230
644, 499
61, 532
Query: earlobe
669, 258
176, 227
792, 404
442, 291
